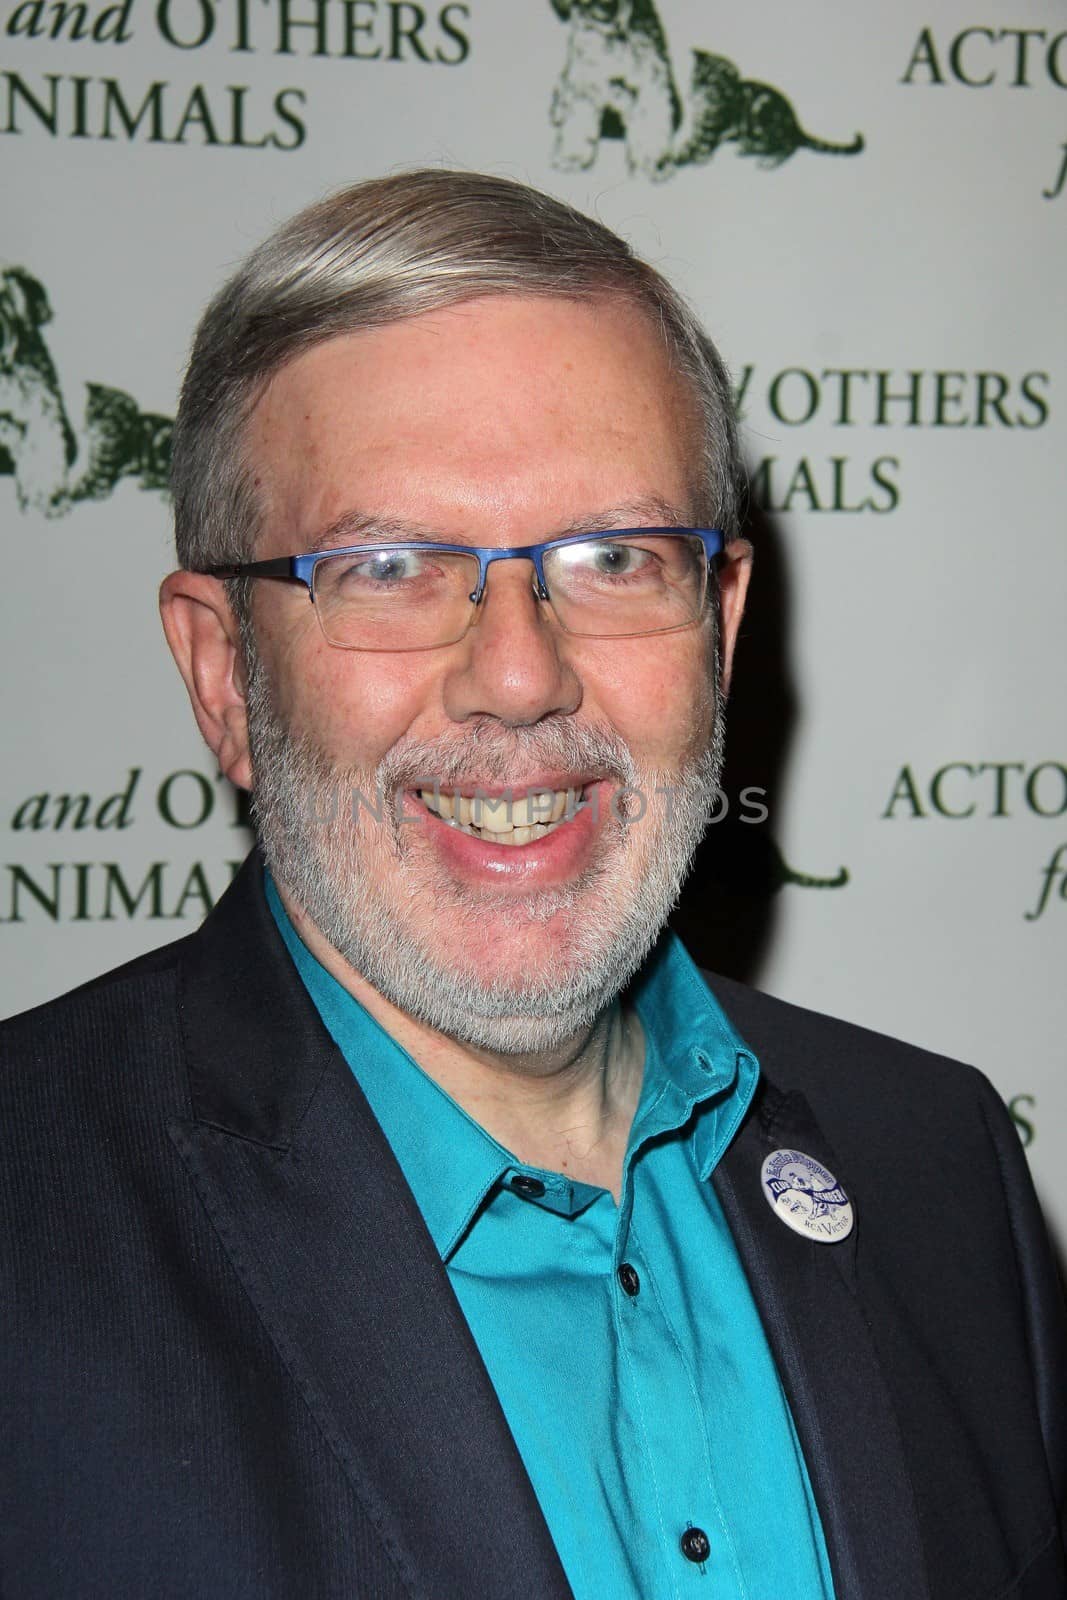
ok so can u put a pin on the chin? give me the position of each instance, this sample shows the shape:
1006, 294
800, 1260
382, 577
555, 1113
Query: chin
500, 985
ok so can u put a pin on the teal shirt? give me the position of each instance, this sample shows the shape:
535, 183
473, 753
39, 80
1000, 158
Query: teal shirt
623, 1341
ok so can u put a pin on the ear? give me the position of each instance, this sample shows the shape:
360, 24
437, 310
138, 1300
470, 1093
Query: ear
205, 641
735, 569
28, 295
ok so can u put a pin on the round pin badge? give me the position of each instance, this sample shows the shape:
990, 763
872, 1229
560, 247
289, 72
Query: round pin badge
806, 1197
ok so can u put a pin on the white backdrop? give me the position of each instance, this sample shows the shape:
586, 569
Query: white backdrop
894, 321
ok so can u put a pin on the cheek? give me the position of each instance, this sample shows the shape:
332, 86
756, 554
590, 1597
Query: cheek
354, 705
658, 696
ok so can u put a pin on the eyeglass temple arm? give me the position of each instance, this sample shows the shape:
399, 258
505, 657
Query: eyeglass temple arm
278, 567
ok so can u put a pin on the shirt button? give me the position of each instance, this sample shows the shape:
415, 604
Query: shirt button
528, 1188
628, 1278
696, 1545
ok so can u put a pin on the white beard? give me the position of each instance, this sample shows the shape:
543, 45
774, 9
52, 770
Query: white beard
380, 922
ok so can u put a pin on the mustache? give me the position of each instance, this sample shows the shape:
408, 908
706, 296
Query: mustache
488, 752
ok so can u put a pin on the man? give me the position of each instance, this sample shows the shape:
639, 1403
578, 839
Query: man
425, 1225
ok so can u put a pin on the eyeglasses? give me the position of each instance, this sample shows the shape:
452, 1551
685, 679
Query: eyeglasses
419, 595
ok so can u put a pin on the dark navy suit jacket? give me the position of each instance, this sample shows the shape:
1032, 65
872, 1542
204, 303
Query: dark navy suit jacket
231, 1363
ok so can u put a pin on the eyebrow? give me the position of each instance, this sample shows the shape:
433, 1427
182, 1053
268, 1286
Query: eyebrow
355, 527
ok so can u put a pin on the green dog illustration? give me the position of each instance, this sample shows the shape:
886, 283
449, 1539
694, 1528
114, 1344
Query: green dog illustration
53, 463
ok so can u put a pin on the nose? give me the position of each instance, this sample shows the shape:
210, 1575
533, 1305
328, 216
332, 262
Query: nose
515, 662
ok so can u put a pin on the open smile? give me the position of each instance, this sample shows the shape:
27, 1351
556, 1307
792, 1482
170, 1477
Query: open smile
510, 817
543, 833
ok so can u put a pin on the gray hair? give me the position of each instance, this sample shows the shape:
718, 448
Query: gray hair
380, 252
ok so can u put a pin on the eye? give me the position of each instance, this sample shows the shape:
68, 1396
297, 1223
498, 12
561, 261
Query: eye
616, 560
607, 563
388, 566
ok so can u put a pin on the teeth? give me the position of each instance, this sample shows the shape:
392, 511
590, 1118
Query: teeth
538, 809
494, 816
506, 820
437, 801
521, 835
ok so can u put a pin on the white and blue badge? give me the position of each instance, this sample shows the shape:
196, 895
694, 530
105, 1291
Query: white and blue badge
806, 1197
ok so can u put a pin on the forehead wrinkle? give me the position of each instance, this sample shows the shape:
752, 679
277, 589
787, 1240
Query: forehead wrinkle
650, 510
358, 527
365, 527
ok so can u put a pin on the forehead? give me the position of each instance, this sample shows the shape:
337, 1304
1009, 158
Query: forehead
524, 412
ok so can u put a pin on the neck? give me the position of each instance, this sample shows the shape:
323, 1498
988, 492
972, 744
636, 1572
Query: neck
568, 1110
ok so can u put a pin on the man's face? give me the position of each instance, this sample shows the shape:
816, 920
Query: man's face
501, 422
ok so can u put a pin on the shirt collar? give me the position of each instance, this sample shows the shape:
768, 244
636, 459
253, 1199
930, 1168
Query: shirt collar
693, 1058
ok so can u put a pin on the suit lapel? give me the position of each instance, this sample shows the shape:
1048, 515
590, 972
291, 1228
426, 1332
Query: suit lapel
324, 1234
817, 1329
322, 1229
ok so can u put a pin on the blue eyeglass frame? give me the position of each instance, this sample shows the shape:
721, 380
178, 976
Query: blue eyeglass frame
301, 569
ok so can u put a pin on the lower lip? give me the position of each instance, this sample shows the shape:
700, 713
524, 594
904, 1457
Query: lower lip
552, 859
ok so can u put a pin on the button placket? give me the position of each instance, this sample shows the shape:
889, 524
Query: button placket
656, 1363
